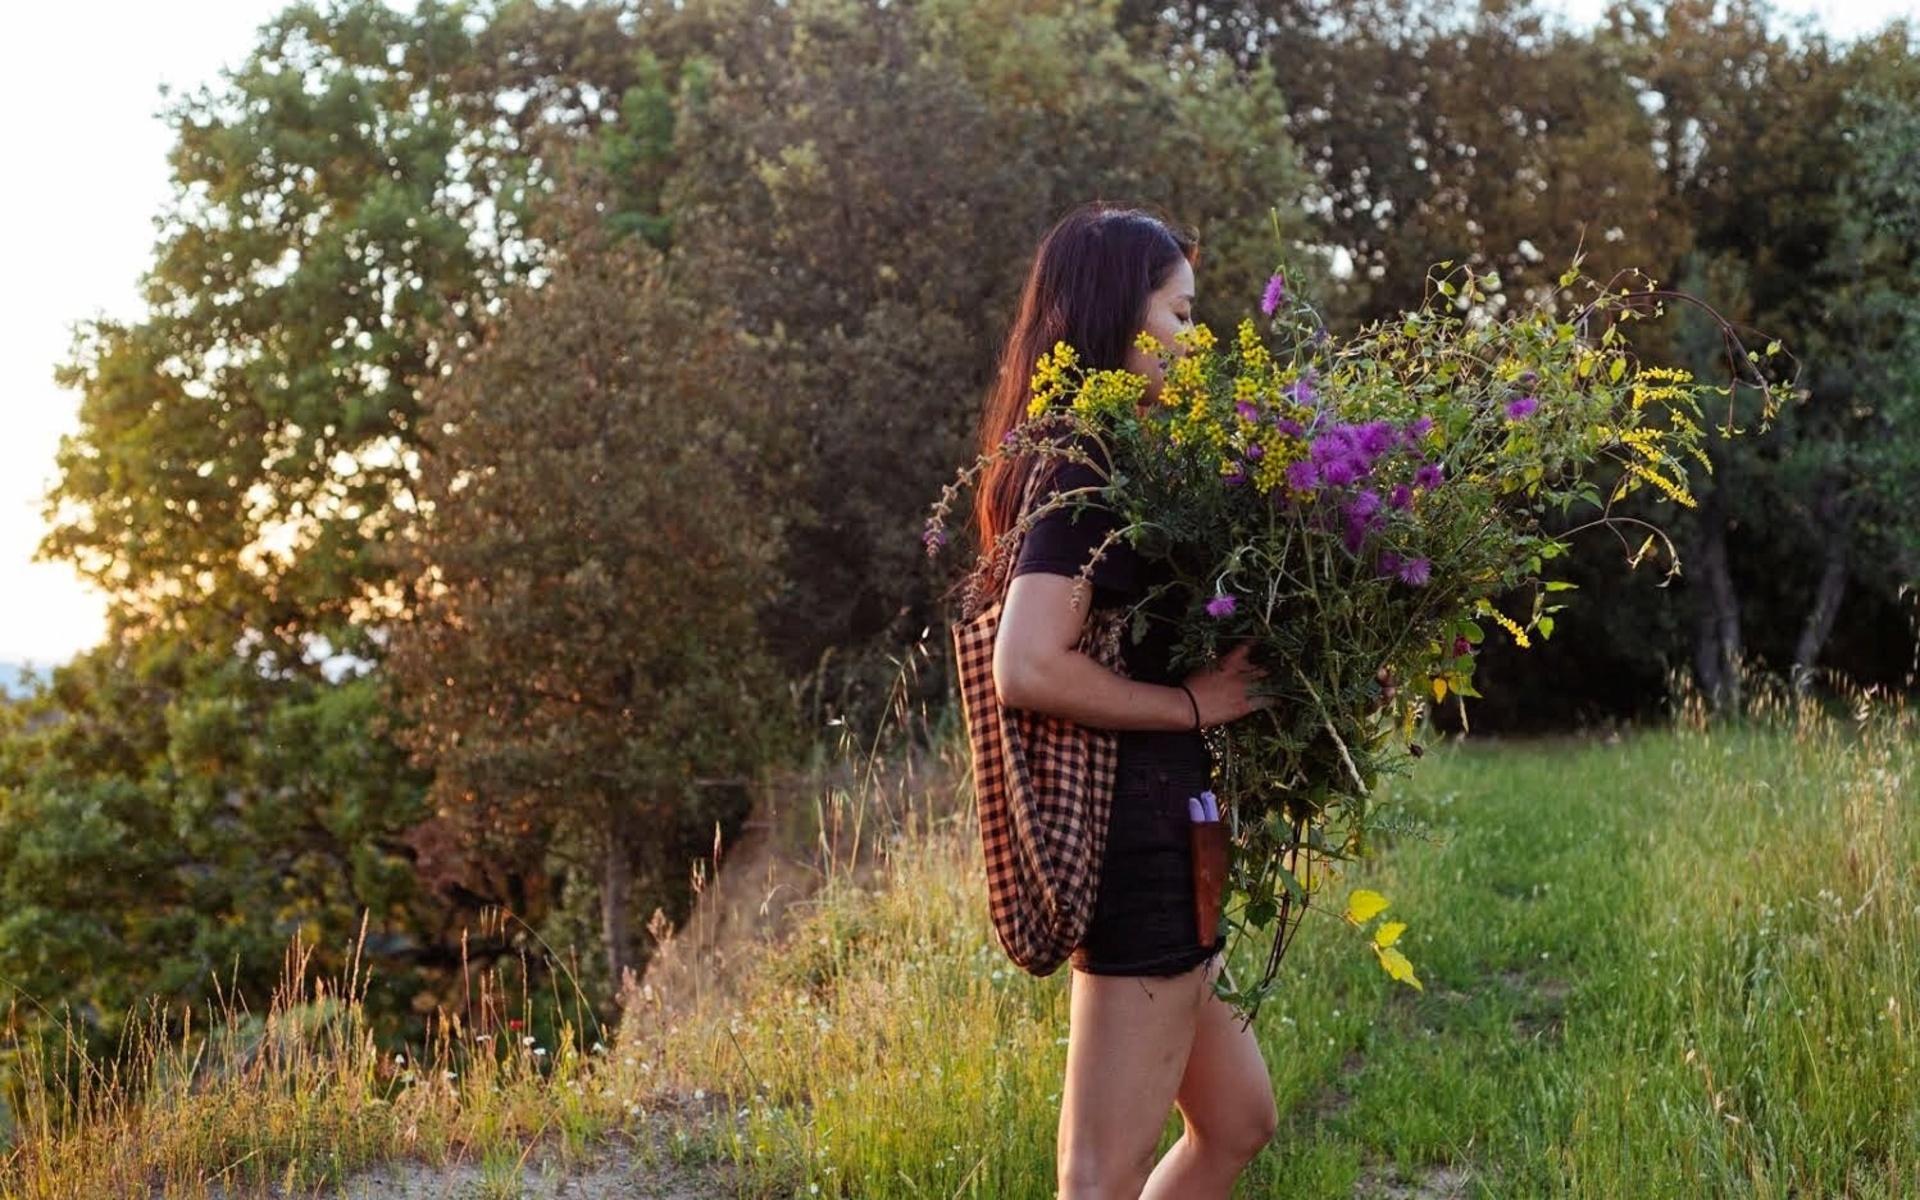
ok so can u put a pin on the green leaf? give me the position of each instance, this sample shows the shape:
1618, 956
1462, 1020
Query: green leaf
1293, 886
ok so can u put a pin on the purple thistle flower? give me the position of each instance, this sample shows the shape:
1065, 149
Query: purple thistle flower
1221, 606
1419, 428
1401, 497
1246, 410
1428, 476
1235, 477
1522, 407
1290, 427
1389, 562
1303, 475
1376, 438
1529, 378
1415, 571
1337, 442
1255, 452
1354, 535
1364, 504
1339, 472
1275, 293
1302, 389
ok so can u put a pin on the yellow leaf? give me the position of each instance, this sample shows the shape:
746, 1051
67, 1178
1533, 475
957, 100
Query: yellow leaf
1396, 965
1363, 904
1388, 933
1439, 688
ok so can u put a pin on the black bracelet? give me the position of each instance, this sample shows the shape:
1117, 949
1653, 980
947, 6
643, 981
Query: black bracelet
1196, 707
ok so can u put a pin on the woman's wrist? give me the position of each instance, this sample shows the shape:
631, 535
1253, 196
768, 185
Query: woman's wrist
1190, 709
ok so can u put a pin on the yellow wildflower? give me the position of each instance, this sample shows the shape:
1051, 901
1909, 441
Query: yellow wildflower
1049, 381
1507, 623
1674, 491
1196, 338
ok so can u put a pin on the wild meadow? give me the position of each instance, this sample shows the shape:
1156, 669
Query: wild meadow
1676, 962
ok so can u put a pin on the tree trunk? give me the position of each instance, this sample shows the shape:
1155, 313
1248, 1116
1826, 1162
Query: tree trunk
616, 895
1826, 596
1819, 624
1717, 649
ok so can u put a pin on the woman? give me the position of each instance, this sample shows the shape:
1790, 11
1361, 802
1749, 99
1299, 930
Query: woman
1145, 1030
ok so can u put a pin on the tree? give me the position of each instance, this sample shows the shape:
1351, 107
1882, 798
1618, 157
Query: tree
1488, 134
1759, 129
593, 542
865, 182
348, 203
158, 842
1862, 473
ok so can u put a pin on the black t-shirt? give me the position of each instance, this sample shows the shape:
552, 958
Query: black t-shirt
1062, 541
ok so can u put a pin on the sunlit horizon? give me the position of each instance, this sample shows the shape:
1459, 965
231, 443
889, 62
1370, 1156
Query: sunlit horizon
82, 244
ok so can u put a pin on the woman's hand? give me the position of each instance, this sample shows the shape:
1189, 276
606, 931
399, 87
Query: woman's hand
1221, 687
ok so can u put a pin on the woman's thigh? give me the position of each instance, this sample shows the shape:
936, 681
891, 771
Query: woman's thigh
1127, 1049
1226, 1094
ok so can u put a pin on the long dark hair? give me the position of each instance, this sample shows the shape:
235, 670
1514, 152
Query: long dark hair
1088, 286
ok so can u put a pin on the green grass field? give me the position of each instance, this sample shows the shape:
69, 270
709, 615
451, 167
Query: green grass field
1679, 964
1683, 964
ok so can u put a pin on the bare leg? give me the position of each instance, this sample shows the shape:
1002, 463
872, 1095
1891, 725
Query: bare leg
1226, 1097
1128, 1043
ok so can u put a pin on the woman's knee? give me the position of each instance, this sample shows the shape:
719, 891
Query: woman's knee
1096, 1173
1237, 1133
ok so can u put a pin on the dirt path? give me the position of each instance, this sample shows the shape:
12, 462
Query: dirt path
616, 1176
617, 1169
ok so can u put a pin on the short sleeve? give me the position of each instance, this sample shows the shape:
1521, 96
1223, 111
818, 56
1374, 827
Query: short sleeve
1062, 541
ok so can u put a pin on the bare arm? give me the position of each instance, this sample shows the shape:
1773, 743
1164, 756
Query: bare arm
1036, 667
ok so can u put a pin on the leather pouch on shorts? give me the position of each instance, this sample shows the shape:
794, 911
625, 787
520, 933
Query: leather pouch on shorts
1209, 876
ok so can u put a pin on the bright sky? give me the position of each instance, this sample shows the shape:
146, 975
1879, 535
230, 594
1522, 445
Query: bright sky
83, 232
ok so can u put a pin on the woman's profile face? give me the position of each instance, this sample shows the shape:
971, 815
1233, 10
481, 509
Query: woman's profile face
1169, 310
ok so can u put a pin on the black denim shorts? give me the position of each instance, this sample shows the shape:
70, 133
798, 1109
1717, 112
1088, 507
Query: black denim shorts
1143, 922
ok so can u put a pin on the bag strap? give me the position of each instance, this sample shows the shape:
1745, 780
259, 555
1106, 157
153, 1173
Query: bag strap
989, 581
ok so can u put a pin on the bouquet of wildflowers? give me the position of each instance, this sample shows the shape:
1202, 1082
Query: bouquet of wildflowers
1362, 510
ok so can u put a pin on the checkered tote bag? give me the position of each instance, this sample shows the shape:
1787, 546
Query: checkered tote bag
1043, 784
